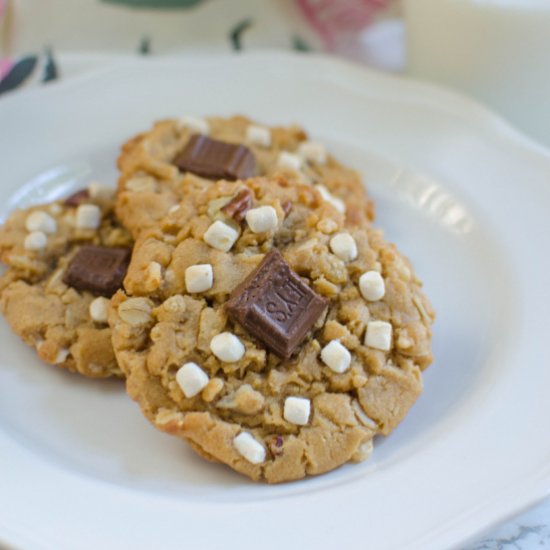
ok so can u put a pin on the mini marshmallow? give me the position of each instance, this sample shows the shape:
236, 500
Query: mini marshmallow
335, 356
199, 278
100, 191
343, 245
312, 151
249, 448
262, 219
296, 410
195, 124
289, 161
227, 347
62, 354
37, 240
328, 197
41, 221
88, 216
99, 309
55, 208
372, 286
191, 379
258, 135
221, 236
379, 335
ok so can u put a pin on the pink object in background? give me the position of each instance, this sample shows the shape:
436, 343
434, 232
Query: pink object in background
5, 67
338, 22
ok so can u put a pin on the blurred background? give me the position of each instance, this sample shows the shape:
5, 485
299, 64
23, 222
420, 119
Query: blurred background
494, 50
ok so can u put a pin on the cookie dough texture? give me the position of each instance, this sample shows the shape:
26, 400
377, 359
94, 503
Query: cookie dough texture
158, 327
150, 184
39, 307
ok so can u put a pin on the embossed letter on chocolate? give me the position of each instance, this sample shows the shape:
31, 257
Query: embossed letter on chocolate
275, 305
215, 159
98, 269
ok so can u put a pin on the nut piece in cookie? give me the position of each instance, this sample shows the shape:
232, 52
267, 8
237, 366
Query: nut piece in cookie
275, 305
98, 269
215, 159
239, 205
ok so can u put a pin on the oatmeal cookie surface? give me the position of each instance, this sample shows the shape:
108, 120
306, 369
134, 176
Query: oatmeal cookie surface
203, 331
51, 252
151, 183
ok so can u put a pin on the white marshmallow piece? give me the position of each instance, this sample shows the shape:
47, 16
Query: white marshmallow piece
195, 124
227, 347
191, 379
221, 236
249, 448
262, 219
297, 410
289, 161
88, 216
55, 208
199, 278
41, 221
379, 335
372, 286
99, 309
36, 240
328, 197
312, 151
335, 356
100, 191
258, 135
62, 354
343, 245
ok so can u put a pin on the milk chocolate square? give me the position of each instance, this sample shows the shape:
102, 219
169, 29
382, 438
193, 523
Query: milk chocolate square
276, 306
98, 269
215, 159
77, 198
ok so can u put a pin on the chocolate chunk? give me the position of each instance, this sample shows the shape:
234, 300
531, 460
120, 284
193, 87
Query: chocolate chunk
239, 205
275, 305
98, 269
78, 198
216, 160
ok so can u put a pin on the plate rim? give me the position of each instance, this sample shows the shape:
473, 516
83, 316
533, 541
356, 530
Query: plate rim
466, 107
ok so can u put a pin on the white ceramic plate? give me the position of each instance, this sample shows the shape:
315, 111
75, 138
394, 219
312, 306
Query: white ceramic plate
464, 195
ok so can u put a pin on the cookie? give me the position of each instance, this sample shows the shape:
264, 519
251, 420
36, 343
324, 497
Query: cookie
156, 167
64, 260
271, 336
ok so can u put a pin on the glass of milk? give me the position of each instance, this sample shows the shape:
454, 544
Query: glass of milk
495, 50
